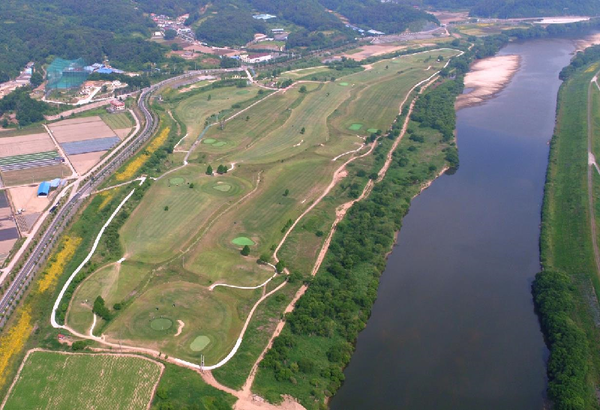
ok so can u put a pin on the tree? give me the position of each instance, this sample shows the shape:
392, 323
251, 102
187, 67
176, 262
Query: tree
280, 266
36, 79
166, 207
170, 34
191, 185
245, 250
286, 192
221, 169
264, 258
303, 130
209, 97
100, 309
302, 89
209, 170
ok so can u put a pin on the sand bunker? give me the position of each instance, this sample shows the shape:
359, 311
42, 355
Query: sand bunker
199, 343
487, 78
180, 326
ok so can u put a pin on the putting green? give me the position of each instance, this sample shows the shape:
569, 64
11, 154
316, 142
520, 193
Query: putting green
355, 127
161, 323
242, 241
199, 343
222, 187
176, 181
209, 141
344, 84
219, 144
372, 130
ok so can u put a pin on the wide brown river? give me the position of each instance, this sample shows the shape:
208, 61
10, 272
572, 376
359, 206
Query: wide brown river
454, 325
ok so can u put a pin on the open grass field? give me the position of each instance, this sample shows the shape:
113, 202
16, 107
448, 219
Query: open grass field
196, 109
84, 381
187, 233
118, 121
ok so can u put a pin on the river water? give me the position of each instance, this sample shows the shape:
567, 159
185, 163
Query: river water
454, 326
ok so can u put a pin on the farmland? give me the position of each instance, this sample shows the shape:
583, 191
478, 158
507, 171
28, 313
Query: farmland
67, 381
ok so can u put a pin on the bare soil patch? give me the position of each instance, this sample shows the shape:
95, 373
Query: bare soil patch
33, 175
25, 197
447, 17
84, 162
123, 133
374, 50
25, 144
487, 78
588, 41
81, 129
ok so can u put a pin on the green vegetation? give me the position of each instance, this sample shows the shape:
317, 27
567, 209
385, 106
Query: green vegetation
564, 291
181, 388
127, 382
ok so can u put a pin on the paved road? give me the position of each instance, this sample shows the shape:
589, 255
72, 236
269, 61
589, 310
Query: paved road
65, 213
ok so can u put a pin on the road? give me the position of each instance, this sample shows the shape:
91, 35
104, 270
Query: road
590, 176
84, 188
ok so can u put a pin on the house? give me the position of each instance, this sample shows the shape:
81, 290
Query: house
117, 105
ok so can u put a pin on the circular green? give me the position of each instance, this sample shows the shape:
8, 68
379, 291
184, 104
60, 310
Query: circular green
355, 127
176, 181
344, 84
161, 323
242, 241
209, 141
199, 343
219, 144
222, 187
372, 130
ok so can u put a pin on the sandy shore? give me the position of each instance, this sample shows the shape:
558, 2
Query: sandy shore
588, 41
487, 78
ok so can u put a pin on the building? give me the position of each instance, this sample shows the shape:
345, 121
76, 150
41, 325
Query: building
44, 189
256, 58
117, 105
375, 32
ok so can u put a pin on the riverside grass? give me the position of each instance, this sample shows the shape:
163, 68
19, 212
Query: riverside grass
567, 249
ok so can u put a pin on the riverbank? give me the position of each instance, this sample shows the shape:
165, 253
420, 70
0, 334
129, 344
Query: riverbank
564, 290
487, 78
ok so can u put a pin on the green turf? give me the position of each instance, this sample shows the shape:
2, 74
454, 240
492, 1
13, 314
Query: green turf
199, 343
355, 127
51, 380
176, 181
118, 121
372, 130
344, 84
219, 144
242, 241
209, 140
161, 323
242, 92
222, 187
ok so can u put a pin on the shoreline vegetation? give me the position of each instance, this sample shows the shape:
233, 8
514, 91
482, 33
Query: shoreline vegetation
487, 78
564, 291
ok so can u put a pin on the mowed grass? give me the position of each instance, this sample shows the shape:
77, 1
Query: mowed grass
217, 315
195, 110
171, 215
116, 283
52, 380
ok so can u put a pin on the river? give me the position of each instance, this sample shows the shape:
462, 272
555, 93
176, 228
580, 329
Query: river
454, 325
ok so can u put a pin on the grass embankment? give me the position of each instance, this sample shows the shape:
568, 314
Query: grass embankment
308, 358
67, 381
562, 291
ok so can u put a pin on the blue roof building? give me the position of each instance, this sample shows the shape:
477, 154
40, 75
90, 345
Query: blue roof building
44, 189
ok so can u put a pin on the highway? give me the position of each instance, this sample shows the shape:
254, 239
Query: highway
65, 213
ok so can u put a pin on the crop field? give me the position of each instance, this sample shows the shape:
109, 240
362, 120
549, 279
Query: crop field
84, 381
184, 241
